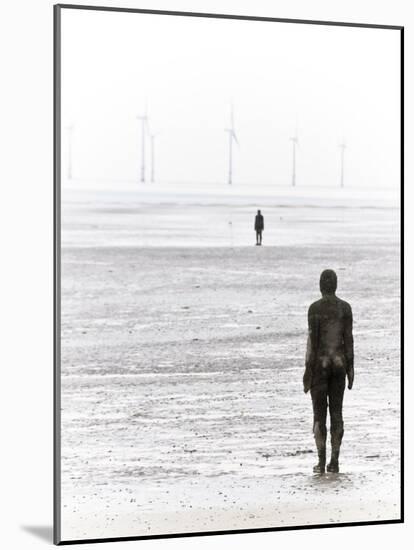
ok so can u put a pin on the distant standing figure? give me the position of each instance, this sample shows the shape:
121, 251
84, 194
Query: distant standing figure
259, 227
329, 360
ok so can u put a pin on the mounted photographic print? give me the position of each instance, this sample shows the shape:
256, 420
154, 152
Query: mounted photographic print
228, 288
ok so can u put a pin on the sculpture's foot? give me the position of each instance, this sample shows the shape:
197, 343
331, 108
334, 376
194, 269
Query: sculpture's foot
333, 467
319, 468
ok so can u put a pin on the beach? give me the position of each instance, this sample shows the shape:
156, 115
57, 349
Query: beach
182, 357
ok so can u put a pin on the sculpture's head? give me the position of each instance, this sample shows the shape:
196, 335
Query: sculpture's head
328, 281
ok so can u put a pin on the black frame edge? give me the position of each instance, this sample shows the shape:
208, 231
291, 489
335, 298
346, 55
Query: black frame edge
56, 271
402, 271
228, 16
232, 532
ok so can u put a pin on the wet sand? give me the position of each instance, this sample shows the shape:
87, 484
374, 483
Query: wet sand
183, 408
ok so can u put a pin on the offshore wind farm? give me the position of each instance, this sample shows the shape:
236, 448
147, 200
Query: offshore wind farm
147, 152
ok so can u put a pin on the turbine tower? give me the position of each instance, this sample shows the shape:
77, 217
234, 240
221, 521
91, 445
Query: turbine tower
144, 130
232, 137
294, 141
70, 136
152, 142
342, 146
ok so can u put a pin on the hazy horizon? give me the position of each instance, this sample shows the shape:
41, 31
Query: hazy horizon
331, 83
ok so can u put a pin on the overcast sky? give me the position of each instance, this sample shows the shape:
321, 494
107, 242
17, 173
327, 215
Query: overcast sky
332, 83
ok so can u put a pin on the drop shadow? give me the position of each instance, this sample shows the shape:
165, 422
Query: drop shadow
44, 532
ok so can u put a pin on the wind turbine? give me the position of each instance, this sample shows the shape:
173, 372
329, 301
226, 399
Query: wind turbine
294, 141
144, 130
69, 130
152, 142
232, 137
342, 146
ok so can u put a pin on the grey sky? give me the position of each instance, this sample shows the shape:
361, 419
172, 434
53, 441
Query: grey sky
333, 83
